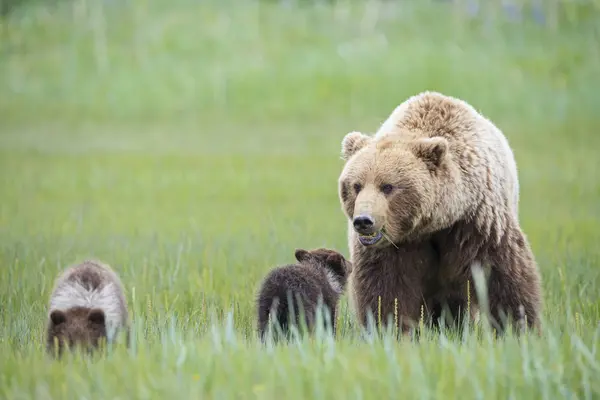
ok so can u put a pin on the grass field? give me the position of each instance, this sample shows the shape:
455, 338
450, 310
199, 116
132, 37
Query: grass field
194, 145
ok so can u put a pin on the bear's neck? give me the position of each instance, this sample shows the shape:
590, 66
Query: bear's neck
375, 258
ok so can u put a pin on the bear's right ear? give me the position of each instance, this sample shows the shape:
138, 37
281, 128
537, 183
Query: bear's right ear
301, 255
353, 142
336, 262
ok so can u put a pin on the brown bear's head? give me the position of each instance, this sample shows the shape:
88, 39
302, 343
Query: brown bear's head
334, 262
388, 187
76, 327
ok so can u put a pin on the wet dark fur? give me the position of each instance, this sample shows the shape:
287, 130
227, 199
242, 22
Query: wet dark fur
82, 326
304, 283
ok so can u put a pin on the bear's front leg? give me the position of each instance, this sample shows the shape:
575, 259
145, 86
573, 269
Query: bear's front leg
514, 284
388, 297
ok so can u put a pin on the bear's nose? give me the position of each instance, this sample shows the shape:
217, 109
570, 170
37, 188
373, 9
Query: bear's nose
363, 223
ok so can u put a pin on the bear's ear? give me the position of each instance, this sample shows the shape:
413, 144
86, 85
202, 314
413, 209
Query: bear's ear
353, 142
335, 262
57, 317
96, 316
302, 255
334, 259
431, 150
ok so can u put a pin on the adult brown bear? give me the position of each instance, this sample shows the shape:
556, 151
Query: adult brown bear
431, 195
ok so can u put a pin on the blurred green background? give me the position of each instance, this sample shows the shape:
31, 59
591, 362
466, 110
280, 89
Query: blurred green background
193, 145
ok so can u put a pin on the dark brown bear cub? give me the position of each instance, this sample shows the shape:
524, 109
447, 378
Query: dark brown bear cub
291, 291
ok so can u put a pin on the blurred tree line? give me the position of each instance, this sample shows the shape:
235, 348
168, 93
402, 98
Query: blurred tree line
540, 11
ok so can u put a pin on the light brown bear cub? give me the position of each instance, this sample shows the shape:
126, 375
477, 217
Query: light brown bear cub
319, 275
439, 172
87, 305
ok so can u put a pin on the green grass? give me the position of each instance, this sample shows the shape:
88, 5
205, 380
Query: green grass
194, 145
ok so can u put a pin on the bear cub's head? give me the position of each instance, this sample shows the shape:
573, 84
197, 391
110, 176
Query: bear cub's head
76, 327
336, 267
388, 187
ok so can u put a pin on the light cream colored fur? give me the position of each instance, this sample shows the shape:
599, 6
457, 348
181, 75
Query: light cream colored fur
488, 134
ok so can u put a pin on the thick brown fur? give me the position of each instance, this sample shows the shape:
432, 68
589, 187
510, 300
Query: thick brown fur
391, 284
87, 307
319, 275
438, 171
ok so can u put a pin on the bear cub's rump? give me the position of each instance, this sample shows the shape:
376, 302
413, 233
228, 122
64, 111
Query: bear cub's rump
320, 274
87, 306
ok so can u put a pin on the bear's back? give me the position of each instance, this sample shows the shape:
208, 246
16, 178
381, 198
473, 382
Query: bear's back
476, 143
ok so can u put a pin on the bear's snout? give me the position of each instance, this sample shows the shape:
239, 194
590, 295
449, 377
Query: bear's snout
363, 224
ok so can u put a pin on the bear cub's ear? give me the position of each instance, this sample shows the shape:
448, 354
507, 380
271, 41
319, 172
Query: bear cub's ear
96, 316
301, 255
58, 317
337, 263
353, 142
431, 150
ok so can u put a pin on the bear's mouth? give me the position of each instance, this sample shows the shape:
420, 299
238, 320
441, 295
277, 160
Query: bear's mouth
368, 240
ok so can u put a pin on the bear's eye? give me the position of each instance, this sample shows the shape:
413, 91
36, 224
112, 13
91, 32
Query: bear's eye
357, 187
387, 188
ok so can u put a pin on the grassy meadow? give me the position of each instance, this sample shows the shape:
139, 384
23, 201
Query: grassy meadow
195, 145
